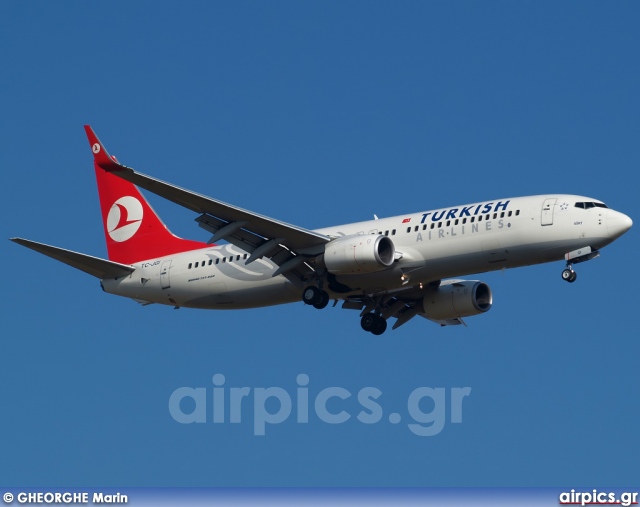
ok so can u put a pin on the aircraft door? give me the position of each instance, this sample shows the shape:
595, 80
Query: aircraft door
164, 274
547, 211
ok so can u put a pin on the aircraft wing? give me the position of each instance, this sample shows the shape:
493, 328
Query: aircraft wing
402, 304
287, 245
100, 268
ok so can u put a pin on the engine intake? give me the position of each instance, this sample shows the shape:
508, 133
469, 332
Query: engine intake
459, 299
362, 253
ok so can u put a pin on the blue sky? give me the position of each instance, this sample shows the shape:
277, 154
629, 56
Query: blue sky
318, 114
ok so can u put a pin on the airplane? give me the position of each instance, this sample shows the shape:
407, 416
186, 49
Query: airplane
398, 267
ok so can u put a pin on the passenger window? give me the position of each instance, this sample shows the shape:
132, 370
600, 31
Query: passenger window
245, 256
393, 232
433, 225
408, 230
502, 215
189, 265
210, 262
424, 227
517, 212
439, 225
473, 219
510, 213
448, 223
386, 233
480, 218
196, 265
217, 261
457, 221
495, 215
417, 227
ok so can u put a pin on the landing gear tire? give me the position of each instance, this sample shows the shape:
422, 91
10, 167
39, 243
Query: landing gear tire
380, 326
569, 275
373, 323
311, 295
368, 320
324, 301
315, 297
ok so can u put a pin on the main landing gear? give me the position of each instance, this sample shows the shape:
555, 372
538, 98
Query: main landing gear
315, 297
373, 323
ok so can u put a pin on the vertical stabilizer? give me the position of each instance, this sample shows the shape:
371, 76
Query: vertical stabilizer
132, 229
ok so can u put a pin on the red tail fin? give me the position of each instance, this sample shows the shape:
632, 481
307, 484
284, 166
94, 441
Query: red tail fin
132, 229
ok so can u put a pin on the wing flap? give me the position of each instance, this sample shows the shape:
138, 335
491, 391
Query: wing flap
95, 266
258, 246
239, 237
446, 322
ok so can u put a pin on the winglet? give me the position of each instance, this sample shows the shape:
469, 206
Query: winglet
100, 154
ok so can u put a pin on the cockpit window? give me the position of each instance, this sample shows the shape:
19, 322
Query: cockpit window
589, 205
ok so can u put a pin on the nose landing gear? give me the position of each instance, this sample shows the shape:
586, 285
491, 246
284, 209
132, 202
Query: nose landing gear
581, 255
569, 275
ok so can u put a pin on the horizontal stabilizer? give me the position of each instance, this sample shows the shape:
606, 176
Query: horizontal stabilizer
95, 266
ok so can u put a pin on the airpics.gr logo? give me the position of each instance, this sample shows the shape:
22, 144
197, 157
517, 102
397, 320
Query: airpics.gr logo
124, 219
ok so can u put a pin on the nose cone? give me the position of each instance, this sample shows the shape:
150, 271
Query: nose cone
617, 224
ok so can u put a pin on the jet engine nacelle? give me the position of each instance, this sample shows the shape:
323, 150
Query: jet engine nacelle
362, 253
458, 299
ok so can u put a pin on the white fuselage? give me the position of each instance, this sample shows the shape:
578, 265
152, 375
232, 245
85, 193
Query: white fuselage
430, 246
